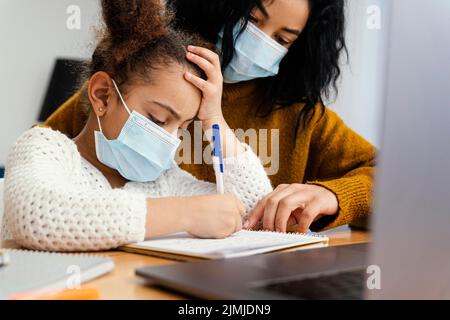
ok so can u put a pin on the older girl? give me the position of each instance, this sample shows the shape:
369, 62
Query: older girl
280, 58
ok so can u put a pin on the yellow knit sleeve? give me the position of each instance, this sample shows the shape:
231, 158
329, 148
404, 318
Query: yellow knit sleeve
70, 118
343, 162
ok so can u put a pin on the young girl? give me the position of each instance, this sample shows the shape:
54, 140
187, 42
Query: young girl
116, 182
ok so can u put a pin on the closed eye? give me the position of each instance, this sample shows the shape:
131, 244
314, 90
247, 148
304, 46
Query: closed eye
282, 41
156, 121
253, 19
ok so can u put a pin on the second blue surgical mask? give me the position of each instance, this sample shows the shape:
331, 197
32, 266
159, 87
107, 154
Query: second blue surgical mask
142, 152
256, 55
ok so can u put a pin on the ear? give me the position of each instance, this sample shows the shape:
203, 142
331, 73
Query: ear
99, 92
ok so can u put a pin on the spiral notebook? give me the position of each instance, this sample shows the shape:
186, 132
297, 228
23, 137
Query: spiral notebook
183, 246
34, 271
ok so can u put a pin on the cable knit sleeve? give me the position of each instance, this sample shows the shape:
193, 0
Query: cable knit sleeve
47, 208
244, 176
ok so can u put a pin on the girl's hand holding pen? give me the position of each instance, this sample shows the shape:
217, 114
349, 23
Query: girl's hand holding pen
214, 216
217, 216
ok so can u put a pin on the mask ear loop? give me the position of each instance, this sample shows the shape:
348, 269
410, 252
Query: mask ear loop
120, 96
99, 124
121, 99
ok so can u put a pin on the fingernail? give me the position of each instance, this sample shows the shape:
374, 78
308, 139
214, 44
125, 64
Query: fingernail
246, 224
188, 74
191, 47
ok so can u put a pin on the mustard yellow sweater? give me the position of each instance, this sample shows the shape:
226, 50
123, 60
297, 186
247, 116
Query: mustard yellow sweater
325, 152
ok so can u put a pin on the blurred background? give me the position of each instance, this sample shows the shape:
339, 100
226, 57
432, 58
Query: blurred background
34, 34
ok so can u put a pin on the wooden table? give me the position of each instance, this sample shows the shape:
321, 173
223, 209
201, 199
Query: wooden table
123, 284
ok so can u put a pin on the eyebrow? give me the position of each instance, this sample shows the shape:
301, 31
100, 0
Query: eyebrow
172, 111
168, 108
292, 31
262, 8
266, 14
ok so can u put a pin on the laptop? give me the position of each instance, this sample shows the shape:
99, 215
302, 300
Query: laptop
409, 257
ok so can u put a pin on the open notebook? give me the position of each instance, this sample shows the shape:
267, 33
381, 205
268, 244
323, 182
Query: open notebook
183, 246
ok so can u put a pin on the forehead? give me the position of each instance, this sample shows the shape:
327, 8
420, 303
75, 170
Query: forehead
168, 86
288, 13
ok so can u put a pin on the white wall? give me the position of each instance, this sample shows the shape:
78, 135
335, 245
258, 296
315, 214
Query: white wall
32, 34
361, 96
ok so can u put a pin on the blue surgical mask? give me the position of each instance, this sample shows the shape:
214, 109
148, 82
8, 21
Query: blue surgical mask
256, 55
142, 152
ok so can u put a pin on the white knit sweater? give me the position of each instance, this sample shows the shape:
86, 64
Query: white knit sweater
56, 200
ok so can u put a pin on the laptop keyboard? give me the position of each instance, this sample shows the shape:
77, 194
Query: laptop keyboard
346, 285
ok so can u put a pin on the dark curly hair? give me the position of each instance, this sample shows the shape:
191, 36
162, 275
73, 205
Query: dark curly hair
137, 38
309, 72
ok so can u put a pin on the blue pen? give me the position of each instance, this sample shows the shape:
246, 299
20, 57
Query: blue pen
218, 158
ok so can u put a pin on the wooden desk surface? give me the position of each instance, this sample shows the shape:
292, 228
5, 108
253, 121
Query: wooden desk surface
123, 284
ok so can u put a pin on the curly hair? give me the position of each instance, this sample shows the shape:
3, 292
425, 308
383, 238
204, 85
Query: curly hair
137, 37
310, 71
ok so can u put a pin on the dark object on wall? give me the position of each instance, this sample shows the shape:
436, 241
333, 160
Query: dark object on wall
2, 172
63, 84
